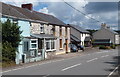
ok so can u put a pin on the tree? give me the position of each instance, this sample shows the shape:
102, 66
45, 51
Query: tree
10, 40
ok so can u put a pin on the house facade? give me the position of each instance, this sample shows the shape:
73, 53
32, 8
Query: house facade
79, 35
43, 35
105, 33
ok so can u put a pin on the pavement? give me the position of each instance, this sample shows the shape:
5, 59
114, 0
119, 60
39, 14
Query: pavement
90, 62
55, 57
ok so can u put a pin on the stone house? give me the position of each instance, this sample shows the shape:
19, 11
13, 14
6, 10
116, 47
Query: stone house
106, 36
43, 35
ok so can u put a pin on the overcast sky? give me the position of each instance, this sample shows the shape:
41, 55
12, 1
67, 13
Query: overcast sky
106, 12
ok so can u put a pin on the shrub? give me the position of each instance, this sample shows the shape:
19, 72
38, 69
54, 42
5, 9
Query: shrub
104, 47
113, 46
10, 40
8, 52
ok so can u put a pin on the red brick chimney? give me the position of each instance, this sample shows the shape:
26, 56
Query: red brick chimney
27, 6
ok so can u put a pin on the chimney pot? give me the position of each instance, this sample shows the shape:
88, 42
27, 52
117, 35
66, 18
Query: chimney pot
27, 6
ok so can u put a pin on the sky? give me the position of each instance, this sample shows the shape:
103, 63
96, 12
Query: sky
105, 12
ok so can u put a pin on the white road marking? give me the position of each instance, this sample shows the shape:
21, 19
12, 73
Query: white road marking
71, 67
113, 71
46, 75
92, 60
46, 63
105, 56
7, 71
36, 65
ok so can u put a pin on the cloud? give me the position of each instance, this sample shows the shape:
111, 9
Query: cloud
19, 2
108, 14
103, 11
97, 7
44, 10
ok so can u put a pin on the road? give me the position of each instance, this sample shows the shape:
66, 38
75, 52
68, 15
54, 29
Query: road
96, 63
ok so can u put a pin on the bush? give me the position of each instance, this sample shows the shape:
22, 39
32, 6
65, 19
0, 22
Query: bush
104, 47
10, 40
8, 52
113, 46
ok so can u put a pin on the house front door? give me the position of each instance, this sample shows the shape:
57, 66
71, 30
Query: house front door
40, 46
66, 48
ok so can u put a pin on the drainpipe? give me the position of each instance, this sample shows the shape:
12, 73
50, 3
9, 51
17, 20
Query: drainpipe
44, 49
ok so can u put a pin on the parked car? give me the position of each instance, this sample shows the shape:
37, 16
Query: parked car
73, 48
80, 47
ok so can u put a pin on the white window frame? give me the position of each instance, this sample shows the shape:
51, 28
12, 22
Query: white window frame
51, 46
41, 26
34, 43
54, 44
24, 46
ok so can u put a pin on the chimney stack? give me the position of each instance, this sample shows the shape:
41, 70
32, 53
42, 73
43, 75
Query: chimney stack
27, 6
108, 27
103, 25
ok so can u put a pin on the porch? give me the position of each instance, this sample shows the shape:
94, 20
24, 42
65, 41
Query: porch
36, 48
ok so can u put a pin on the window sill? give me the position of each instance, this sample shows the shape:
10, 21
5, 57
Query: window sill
51, 50
61, 48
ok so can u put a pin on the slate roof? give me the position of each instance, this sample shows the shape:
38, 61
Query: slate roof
112, 31
77, 27
29, 14
74, 38
18, 12
49, 18
8, 10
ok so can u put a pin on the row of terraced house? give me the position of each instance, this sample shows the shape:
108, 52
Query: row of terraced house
43, 35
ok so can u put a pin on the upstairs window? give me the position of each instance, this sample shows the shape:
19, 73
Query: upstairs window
60, 31
42, 28
53, 29
65, 31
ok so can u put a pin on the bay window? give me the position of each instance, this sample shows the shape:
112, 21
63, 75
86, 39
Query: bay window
33, 47
34, 44
47, 45
50, 45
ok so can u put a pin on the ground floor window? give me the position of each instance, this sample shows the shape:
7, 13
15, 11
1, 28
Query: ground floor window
33, 47
26, 46
50, 45
34, 44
